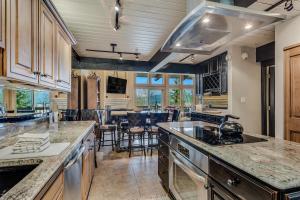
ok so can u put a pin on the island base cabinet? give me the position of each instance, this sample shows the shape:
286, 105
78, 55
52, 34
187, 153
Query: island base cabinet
56, 190
88, 166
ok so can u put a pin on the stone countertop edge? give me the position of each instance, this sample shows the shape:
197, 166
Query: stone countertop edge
275, 162
30, 186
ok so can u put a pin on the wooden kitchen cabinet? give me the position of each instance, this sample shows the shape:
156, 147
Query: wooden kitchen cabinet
63, 61
2, 23
88, 165
21, 55
47, 50
56, 190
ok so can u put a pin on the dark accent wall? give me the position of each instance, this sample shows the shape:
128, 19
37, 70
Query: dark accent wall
128, 65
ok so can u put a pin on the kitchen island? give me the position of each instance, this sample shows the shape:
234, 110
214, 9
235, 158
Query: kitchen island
273, 164
36, 184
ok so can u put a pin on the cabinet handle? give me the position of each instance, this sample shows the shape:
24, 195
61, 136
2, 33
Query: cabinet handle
58, 81
44, 75
233, 182
36, 73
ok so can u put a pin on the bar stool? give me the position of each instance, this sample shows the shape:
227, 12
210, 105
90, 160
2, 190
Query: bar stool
136, 123
153, 129
106, 130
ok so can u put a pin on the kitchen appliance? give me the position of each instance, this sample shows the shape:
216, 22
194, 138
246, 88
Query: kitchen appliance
72, 176
230, 128
212, 25
188, 168
211, 135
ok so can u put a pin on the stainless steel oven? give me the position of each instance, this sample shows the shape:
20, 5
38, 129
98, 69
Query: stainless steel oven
188, 170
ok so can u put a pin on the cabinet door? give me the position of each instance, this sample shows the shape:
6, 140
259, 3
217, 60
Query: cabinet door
56, 189
63, 61
85, 175
22, 40
47, 36
2, 23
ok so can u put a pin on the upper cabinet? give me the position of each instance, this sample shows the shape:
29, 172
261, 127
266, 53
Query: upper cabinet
37, 44
47, 38
2, 23
22, 40
63, 61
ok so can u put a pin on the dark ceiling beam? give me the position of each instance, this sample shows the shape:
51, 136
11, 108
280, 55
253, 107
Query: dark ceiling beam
181, 68
110, 64
158, 57
129, 65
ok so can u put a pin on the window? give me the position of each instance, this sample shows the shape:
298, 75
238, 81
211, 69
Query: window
174, 80
174, 97
141, 97
157, 79
187, 97
141, 78
155, 97
41, 99
24, 100
187, 80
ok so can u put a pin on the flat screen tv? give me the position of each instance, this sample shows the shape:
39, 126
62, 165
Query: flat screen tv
116, 85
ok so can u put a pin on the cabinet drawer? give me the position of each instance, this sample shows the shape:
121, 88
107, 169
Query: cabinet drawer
239, 184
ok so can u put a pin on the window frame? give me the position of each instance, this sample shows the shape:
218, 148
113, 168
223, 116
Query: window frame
165, 87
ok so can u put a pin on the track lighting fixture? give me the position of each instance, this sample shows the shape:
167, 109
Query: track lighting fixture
288, 6
121, 53
117, 15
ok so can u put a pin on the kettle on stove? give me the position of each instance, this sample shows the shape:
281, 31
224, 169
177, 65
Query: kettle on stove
230, 128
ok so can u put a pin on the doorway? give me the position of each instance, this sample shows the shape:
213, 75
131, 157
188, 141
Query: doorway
268, 98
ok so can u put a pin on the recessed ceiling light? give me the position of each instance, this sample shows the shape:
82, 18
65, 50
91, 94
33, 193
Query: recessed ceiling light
178, 44
205, 20
248, 26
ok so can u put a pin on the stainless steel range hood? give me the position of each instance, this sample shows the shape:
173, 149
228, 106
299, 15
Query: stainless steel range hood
212, 25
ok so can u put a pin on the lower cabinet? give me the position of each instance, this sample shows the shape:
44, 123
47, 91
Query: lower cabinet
56, 190
88, 166
237, 183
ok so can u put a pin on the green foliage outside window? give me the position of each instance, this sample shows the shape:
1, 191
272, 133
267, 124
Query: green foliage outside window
41, 97
174, 97
24, 99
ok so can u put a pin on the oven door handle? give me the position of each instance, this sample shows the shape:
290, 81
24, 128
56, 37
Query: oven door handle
188, 170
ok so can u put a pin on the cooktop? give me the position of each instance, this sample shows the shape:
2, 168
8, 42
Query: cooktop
210, 135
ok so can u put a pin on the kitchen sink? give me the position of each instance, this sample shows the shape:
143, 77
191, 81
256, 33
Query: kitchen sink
10, 176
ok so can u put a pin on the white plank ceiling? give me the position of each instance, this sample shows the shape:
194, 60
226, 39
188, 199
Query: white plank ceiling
145, 25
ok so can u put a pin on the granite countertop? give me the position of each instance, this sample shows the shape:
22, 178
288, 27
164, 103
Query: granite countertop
216, 112
32, 184
275, 162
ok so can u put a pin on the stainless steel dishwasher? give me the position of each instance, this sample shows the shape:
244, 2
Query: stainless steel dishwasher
72, 176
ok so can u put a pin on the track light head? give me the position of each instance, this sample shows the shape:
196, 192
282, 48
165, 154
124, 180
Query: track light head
288, 6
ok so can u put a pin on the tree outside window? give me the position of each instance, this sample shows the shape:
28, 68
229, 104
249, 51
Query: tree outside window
1, 97
155, 98
41, 100
24, 100
174, 80
157, 79
141, 97
187, 97
187, 80
174, 97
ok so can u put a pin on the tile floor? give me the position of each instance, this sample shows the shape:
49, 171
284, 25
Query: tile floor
121, 178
